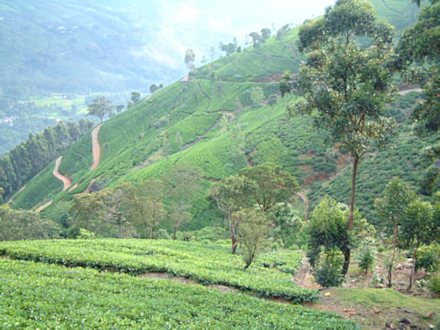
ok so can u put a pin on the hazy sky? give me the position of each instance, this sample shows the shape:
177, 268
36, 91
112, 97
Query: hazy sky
200, 24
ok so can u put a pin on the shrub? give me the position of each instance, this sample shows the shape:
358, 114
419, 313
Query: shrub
428, 257
163, 234
434, 284
365, 259
85, 234
327, 271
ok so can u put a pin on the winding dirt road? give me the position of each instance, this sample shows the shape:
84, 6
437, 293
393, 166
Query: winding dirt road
96, 148
56, 173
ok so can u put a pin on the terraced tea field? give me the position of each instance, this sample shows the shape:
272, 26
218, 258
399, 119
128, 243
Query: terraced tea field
48, 289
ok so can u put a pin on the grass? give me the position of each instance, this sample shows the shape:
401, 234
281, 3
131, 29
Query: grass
49, 296
389, 304
59, 100
205, 263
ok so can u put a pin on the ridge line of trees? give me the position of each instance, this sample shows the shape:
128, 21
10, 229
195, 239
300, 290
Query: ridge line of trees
20, 164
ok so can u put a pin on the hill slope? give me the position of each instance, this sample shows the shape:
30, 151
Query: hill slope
226, 116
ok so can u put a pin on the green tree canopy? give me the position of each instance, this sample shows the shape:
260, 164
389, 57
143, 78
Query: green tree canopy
346, 80
391, 211
420, 57
100, 107
273, 185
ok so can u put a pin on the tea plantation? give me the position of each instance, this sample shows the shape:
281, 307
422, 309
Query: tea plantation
65, 295
207, 264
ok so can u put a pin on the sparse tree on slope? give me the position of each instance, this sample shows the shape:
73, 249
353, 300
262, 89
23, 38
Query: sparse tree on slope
391, 210
100, 107
190, 57
256, 38
346, 82
230, 196
182, 186
254, 230
417, 229
265, 34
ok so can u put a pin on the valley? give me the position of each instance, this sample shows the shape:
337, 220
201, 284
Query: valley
291, 183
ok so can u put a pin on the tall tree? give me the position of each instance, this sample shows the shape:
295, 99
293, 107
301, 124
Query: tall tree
100, 107
391, 210
346, 81
254, 230
2, 192
417, 229
154, 191
135, 97
327, 229
115, 211
182, 185
190, 57
230, 195
256, 38
88, 212
265, 34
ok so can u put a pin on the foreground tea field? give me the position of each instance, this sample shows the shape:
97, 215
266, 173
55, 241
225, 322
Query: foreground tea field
270, 276
36, 295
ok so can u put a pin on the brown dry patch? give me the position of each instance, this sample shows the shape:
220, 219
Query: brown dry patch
272, 78
320, 176
166, 276
306, 168
304, 278
223, 288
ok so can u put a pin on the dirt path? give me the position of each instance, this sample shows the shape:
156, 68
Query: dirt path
304, 278
42, 207
12, 198
407, 91
96, 148
56, 173
305, 199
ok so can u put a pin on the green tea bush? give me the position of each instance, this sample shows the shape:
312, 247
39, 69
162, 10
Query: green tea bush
201, 262
428, 257
434, 284
327, 271
365, 259
41, 296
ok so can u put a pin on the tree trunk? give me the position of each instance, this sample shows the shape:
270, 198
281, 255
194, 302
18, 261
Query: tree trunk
413, 271
390, 267
234, 240
346, 251
353, 192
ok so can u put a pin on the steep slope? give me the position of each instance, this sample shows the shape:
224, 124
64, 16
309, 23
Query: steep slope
226, 116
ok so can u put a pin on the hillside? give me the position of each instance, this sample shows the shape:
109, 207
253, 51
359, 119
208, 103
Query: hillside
73, 46
226, 116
